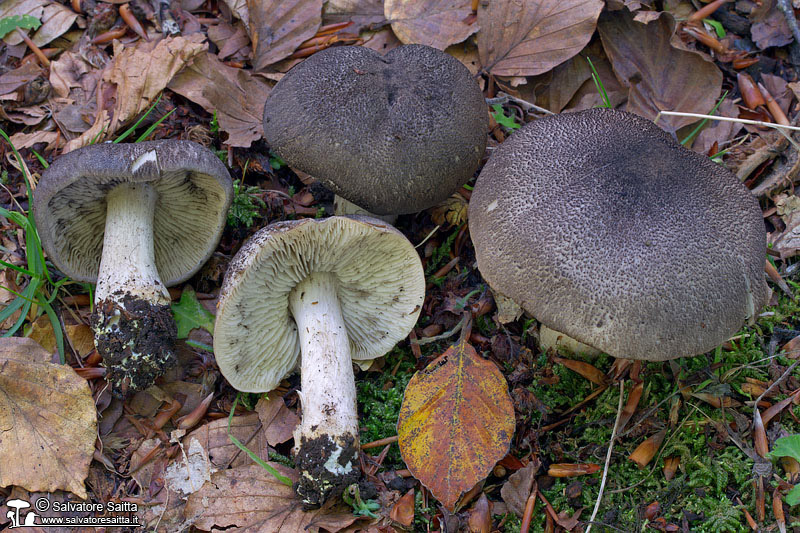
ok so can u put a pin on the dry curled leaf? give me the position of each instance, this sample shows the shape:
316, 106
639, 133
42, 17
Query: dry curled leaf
48, 421
584, 369
455, 423
529, 38
251, 499
403, 510
645, 452
436, 23
659, 76
278, 27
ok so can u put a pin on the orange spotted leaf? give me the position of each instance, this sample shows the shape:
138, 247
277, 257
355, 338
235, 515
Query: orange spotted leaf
455, 423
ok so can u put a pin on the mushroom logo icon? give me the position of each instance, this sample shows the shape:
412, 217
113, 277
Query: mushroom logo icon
14, 507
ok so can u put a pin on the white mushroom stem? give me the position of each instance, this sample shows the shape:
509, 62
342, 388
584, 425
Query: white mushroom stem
128, 263
328, 390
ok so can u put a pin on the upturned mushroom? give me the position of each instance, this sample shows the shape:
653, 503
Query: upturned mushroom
605, 229
392, 134
318, 293
135, 219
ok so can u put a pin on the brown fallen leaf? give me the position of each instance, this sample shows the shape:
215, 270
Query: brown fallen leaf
455, 423
718, 131
645, 452
10, 8
278, 27
235, 94
660, 77
671, 466
529, 38
279, 421
761, 444
630, 406
251, 499
48, 421
142, 71
56, 20
214, 438
403, 510
773, 411
480, 516
516, 490
436, 23
15, 79
584, 369
772, 31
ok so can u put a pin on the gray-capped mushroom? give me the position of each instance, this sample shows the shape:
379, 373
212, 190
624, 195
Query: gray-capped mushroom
604, 228
133, 218
392, 134
318, 294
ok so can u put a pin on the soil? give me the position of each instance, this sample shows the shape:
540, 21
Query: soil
317, 483
136, 339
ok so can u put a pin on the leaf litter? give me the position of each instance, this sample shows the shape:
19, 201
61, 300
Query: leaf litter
695, 439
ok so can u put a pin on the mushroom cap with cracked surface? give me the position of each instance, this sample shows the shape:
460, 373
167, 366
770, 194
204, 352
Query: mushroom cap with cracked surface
194, 192
380, 286
604, 228
392, 134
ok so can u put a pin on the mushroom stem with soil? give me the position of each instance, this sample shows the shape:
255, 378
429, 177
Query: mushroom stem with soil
130, 292
328, 391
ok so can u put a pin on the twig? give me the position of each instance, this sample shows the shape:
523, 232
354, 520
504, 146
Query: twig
608, 458
379, 443
777, 381
788, 12
35, 49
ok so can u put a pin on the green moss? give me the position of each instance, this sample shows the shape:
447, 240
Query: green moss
380, 396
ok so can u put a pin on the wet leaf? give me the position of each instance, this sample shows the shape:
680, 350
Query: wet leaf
455, 423
529, 38
189, 314
645, 452
584, 369
772, 31
235, 94
403, 510
278, 27
436, 23
659, 77
251, 499
219, 448
48, 421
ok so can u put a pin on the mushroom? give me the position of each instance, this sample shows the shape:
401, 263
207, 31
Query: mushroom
327, 291
13, 515
392, 134
134, 218
605, 229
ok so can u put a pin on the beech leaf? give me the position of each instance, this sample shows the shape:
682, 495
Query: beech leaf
529, 38
48, 421
436, 23
455, 423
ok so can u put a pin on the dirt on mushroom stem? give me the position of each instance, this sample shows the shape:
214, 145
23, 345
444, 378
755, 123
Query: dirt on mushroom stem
136, 339
319, 481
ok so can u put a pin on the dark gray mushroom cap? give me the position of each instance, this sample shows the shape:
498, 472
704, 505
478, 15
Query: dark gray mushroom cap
393, 134
381, 288
194, 193
604, 228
